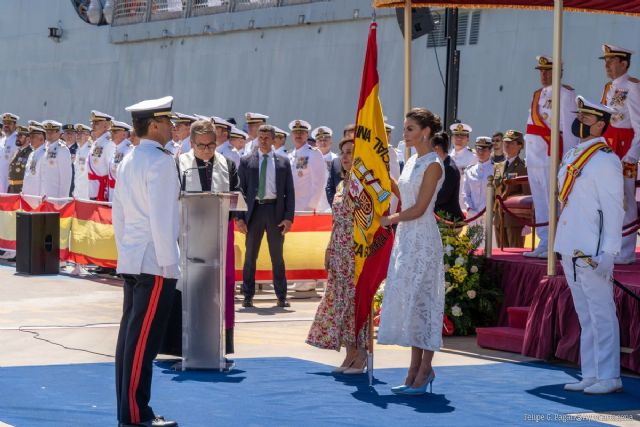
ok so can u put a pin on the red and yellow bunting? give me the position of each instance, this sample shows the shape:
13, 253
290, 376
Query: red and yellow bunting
574, 169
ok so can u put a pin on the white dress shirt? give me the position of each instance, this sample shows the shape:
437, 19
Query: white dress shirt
270, 188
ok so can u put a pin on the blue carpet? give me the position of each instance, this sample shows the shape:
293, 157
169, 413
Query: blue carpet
292, 392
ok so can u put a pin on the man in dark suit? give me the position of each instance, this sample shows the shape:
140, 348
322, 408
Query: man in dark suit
512, 167
267, 183
335, 176
447, 200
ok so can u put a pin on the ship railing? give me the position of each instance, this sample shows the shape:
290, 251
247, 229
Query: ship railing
136, 11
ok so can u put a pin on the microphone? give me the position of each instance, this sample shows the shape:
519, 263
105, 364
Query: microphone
183, 181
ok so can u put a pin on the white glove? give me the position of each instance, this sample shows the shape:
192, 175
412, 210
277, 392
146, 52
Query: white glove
605, 264
629, 159
171, 271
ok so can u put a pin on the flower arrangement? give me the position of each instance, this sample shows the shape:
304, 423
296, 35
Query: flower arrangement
471, 297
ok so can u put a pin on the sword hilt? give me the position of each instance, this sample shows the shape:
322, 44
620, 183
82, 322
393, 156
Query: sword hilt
588, 259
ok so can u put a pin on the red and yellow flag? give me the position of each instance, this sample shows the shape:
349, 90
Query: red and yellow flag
370, 188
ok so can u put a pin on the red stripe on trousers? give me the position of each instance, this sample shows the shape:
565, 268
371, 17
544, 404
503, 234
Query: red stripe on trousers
140, 347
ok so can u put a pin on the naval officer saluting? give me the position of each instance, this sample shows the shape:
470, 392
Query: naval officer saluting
591, 191
145, 222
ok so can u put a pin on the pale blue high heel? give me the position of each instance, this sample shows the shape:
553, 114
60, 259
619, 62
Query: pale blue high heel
399, 389
418, 391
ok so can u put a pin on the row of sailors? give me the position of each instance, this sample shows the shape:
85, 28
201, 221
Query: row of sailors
59, 161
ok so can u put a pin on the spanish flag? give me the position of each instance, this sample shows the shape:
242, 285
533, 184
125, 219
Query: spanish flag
370, 188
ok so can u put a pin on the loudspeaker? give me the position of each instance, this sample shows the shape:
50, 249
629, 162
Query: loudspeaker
38, 243
422, 22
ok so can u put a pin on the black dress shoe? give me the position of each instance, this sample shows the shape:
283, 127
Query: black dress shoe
282, 302
156, 422
247, 303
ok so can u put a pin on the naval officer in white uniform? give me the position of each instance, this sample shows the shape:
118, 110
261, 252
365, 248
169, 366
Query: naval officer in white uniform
120, 132
101, 153
254, 121
591, 222
8, 147
308, 167
538, 142
476, 177
81, 178
461, 154
145, 223
280, 142
224, 147
622, 94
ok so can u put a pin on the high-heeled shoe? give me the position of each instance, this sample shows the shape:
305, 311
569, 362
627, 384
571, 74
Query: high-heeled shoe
339, 369
354, 370
418, 391
399, 389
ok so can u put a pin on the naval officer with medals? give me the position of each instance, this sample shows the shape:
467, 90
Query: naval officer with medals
101, 153
591, 194
120, 132
145, 224
622, 94
18, 164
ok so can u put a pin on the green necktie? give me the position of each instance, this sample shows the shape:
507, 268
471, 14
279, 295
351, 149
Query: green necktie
262, 187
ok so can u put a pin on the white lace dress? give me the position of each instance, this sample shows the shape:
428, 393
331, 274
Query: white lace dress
413, 304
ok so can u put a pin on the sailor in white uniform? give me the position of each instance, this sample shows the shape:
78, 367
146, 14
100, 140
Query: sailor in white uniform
224, 147
99, 157
308, 167
461, 154
538, 142
591, 222
81, 179
476, 177
254, 121
31, 184
323, 135
280, 142
182, 128
146, 225
8, 147
622, 94
120, 136
238, 140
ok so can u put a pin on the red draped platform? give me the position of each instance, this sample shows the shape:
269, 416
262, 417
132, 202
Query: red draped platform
551, 329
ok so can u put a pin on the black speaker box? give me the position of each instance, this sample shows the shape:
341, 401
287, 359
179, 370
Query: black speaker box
421, 20
38, 243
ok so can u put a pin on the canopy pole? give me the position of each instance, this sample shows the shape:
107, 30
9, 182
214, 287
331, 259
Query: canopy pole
408, 25
555, 134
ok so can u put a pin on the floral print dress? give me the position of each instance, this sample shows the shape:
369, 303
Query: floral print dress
334, 324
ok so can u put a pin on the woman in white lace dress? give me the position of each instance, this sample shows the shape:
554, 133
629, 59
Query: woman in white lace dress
413, 305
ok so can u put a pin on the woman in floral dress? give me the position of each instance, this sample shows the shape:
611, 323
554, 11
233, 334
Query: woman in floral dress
334, 324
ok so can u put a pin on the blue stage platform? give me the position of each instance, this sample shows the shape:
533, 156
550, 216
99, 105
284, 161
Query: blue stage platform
292, 392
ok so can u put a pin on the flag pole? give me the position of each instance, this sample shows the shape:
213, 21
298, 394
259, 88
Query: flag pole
555, 133
408, 25
370, 345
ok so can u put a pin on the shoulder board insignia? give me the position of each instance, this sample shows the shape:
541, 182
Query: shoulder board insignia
606, 149
164, 150
568, 87
634, 80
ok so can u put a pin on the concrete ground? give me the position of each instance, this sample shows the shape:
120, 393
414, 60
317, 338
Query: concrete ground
41, 314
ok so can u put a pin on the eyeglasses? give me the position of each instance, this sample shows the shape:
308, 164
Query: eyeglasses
206, 146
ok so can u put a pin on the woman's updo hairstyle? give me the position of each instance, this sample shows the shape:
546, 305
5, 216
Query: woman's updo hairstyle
425, 118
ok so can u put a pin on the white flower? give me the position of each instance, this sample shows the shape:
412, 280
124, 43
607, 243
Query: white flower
471, 294
456, 311
460, 261
447, 267
448, 249
474, 269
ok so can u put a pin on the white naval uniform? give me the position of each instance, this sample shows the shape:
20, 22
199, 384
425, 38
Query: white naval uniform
624, 97
174, 148
599, 188
122, 150
282, 151
227, 150
537, 159
101, 153
309, 177
394, 172
185, 145
463, 159
8, 150
49, 171
475, 187
249, 147
145, 212
31, 180
81, 179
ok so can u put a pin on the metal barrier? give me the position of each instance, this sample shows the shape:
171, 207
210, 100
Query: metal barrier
136, 11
